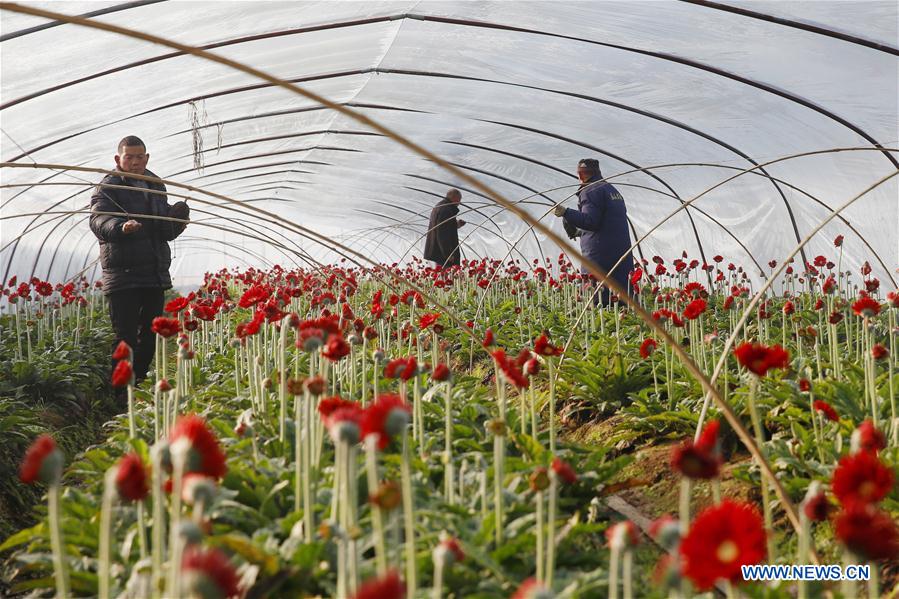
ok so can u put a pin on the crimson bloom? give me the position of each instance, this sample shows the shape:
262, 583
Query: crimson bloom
427, 320
209, 573
758, 358
826, 409
122, 374
441, 373
336, 348
702, 459
838, 241
43, 462
488, 338
817, 508
879, 352
166, 327
176, 305
868, 438
131, 478
532, 589
543, 347
122, 351
648, 346
695, 309
389, 586
205, 455
861, 478
564, 470
329, 405
866, 306
723, 538
386, 418
511, 370
401, 368
867, 532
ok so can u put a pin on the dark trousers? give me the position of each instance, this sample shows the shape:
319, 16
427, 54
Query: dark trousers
132, 312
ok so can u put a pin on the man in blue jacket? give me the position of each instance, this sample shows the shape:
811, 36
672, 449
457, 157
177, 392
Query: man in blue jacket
601, 222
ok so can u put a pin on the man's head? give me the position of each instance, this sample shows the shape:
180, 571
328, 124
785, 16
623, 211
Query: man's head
454, 196
132, 156
587, 169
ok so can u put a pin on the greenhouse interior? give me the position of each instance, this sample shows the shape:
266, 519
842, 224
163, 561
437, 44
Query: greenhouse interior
467, 299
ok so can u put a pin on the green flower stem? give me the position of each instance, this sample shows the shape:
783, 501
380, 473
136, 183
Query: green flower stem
60, 569
803, 553
377, 515
409, 520
449, 476
541, 536
364, 370
158, 532
179, 455
282, 383
552, 405
627, 573
760, 441
551, 521
132, 427
614, 560
297, 454
106, 533
533, 401
874, 582
847, 587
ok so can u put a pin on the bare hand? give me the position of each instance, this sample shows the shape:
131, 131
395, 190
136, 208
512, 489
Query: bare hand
131, 226
460, 223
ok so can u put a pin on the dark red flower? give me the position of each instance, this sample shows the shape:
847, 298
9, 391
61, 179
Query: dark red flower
758, 358
441, 373
166, 327
511, 370
401, 368
328, 405
43, 461
721, 540
835, 317
390, 586
209, 573
817, 508
427, 320
452, 546
804, 385
861, 478
543, 347
488, 338
205, 454
531, 589
122, 351
838, 241
695, 309
254, 295
122, 374
385, 418
868, 532
879, 352
867, 438
336, 348
866, 306
702, 459
176, 305
564, 471
131, 478
826, 409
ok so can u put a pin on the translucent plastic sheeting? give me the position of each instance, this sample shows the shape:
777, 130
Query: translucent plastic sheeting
671, 97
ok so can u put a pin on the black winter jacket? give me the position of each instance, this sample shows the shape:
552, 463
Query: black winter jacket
140, 259
442, 242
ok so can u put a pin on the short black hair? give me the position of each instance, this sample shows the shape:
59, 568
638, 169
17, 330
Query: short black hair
131, 140
591, 164
453, 192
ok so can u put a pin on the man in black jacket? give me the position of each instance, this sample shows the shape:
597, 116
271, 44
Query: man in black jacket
442, 243
134, 249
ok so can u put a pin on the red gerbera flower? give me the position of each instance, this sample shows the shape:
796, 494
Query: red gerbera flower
826, 409
867, 438
205, 454
254, 295
329, 405
531, 589
386, 418
817, 508
122, 374
700, 460
488, 338
336, 348
205, 568
441, 373
401, 368
543, 347
176, 305
861, 478
879, 352
804, 385
43, 462
166, 327
390, 586
721, 540
427, 320
451, 546
758, 358
648, 347
838, 241
122, 351
867, 532
866, 306
131, 478
511, 370
695, 309
564, 471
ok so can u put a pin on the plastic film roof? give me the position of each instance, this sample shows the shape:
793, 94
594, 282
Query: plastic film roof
672, 98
